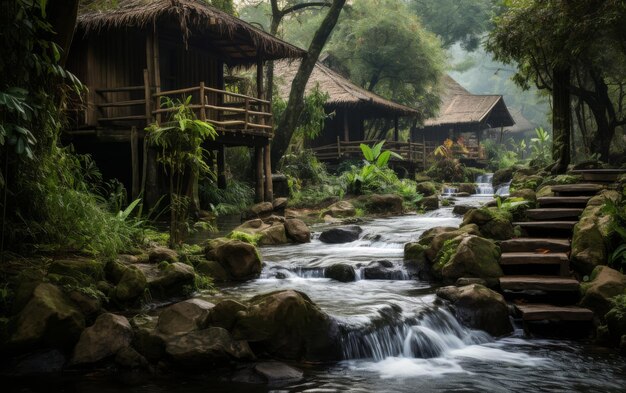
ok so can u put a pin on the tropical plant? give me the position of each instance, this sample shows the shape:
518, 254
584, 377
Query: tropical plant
180, 141
617, 212
540, 148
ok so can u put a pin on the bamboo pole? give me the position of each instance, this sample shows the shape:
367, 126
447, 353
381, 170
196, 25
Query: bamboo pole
258, 185
202, 103
157, 69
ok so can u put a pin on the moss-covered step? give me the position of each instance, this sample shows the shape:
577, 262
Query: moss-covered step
555, 213
577, 189
563, 201
558, 260
548, 312
531, 244
539, 283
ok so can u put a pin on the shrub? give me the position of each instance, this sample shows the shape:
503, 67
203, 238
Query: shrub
236, 197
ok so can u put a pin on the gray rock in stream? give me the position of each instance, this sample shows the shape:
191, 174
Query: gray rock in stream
341, 235
382, 270
340, 272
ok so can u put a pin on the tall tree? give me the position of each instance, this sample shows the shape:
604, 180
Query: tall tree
586, 36
295, 104
389, 53
455, 21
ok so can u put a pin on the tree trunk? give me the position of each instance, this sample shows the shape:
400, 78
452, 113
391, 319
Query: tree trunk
285, 128
561, 126
62, 16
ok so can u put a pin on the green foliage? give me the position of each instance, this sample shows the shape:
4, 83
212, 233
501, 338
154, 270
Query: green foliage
379, 42
180, 140
509, 205
204, 283
447, 170
617, 225
540, 148
233, 199
245, 237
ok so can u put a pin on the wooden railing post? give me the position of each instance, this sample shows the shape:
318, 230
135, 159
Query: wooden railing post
202, 103
267, 163
148, 96
246, 113
338, 146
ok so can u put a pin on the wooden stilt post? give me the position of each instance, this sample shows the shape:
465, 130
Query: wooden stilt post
134, 154
157, 69
258, 185
395, 129
267, 163
346, 128
221, 167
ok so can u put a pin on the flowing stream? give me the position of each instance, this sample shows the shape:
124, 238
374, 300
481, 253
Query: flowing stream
395, 339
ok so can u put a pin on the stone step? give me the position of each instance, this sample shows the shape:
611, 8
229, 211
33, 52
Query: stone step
539, 283
560, 201
559, 260
548, 312
530, 244
562, 225
577, 189
554, 213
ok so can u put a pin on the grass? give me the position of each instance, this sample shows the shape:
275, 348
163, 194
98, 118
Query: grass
237, 196
245, 237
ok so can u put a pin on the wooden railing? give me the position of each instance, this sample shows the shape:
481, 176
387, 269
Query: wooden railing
225, 110
409, 151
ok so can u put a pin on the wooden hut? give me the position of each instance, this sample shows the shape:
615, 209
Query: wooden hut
462, 114
131, 54
352, 106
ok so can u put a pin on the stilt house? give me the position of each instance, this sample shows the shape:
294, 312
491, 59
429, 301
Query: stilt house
131, 53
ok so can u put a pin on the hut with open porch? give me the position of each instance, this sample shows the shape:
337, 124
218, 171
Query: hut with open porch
131, 54
462, 114
352, 106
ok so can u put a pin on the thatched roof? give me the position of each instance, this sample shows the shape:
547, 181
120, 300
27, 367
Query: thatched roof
237, 41
459, 106
342, 93
522, 124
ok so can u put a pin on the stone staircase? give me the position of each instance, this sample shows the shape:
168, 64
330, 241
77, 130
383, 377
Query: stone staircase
537, 276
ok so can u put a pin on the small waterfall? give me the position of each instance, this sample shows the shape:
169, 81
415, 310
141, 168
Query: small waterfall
503, 189
483, 184
431, 335
450, 190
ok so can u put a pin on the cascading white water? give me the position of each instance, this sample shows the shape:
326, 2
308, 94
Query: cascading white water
503, 189
483, 184
434, 333
449, 190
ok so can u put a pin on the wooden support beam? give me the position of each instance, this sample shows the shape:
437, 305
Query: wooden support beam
267, 161
221, 167
258, 166
395, 129
134, 154
346, 128
259, 79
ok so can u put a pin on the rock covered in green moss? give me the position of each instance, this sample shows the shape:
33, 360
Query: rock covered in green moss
160, 254
103, 339
605, 284
240, 260
382, 203
297, 230
131, 286
225, 314
82, 269
429, 203
468, 256
48, 319
270, 231
525, 193
493, 223
287, 324
435, 238
426, 188
212, 269
616, 323
172, 280
479, 308
341, 209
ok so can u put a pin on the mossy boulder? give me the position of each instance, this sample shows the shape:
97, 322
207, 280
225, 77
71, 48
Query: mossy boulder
103, 339
435, 238
521, 181
590, 240
173, 280
259, 210
345, 234
269, 232
341, 209
502, 176
212, 269
544, 191
426, 188
429, 203
341, 272
479, 308
468, 256
160, 254
616, 322
525, 193
415, 260
131, 286
468, 188
49, 319
605, 284
460, 210
382, 203
492, 222
84, 270
287, 324
241, 260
